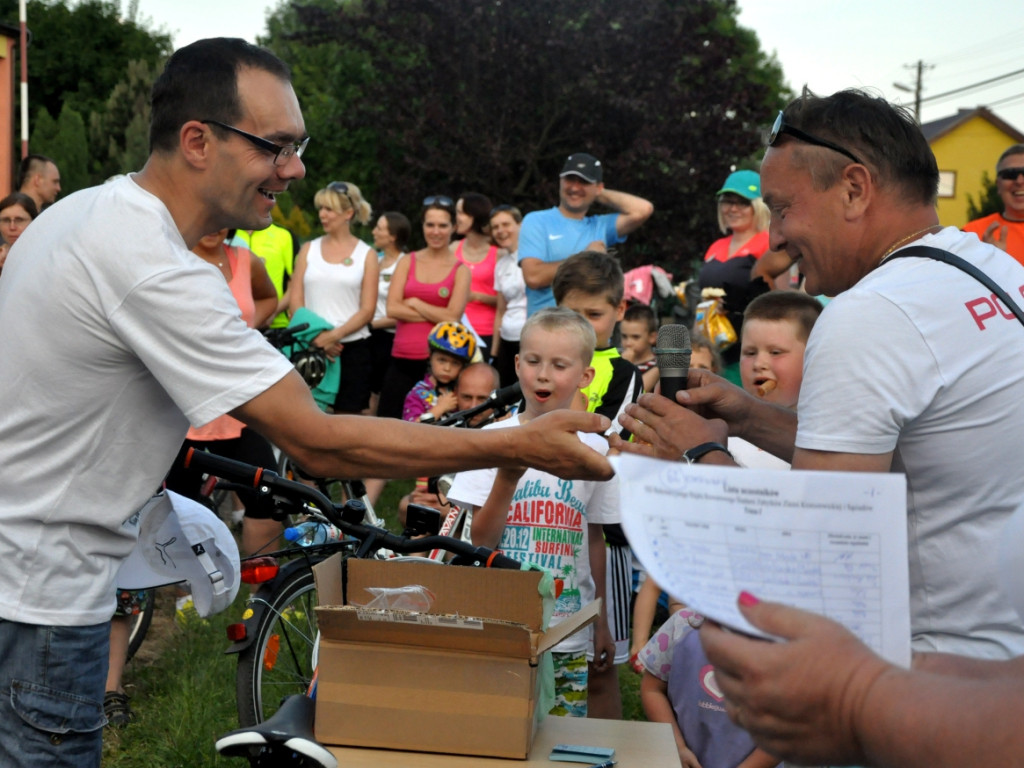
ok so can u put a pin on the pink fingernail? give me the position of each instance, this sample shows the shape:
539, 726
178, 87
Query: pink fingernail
747, 600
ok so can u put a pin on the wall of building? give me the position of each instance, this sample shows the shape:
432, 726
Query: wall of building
964, 154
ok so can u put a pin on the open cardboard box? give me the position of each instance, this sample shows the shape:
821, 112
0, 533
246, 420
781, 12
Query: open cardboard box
460, 679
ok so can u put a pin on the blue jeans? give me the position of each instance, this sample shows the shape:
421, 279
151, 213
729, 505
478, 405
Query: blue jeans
51, 694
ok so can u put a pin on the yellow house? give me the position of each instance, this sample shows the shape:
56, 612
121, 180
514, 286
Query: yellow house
966, 145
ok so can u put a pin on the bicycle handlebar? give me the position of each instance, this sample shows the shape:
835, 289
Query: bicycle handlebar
499, 401
372, 538
282, 337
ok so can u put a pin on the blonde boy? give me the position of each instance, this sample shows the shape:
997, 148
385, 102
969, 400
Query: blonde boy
537, 518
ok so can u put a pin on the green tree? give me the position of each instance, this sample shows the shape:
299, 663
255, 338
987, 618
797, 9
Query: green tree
120, 132
989, 201
78, 55
64, 139
427, 96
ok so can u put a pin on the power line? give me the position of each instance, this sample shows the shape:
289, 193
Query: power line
973, 86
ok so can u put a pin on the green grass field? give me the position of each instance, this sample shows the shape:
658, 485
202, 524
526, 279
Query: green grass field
183, 689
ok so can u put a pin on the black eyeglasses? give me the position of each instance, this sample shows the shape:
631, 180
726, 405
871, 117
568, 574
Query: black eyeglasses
342, 189
282, 154
1010, 174
781, 127
440, 200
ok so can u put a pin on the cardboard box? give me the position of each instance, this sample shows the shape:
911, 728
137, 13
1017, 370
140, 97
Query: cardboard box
461, 679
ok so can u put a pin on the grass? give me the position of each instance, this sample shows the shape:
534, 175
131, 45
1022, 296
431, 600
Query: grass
183, 687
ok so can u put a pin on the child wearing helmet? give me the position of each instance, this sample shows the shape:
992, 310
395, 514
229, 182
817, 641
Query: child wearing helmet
452, 348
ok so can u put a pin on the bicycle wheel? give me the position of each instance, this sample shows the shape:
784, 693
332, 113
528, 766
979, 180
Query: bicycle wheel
278, 663
140, 623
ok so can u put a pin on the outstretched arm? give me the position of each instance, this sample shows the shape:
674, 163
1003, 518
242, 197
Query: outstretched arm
361, 446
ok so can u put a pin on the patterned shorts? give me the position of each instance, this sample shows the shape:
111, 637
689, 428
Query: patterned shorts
570, 684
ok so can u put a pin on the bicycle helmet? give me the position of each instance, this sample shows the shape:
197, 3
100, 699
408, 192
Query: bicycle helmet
453, 338
311, 363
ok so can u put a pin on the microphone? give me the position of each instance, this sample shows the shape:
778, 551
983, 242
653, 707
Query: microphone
673, 353
506, 396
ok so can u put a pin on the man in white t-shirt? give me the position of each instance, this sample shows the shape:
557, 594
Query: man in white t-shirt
911, 368
114, 337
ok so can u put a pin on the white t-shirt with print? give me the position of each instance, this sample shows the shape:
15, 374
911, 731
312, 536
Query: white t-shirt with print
917, 359
547, 526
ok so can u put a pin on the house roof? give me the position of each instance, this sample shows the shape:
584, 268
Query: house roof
936, 129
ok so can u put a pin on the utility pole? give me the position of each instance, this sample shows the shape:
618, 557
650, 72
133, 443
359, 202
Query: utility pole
916, 90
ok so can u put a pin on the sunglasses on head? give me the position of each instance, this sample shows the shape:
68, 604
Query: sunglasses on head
442, 201
342, 189
1010, 174
781, 127
501, 209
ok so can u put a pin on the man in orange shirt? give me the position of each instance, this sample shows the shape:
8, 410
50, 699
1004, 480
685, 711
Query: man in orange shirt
1006, 230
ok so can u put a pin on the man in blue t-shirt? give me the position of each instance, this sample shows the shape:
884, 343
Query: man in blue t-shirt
549, 237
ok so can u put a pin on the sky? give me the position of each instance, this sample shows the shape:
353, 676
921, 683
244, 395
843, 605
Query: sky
825, 45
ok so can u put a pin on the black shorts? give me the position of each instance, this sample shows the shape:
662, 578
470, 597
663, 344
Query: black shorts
354, 387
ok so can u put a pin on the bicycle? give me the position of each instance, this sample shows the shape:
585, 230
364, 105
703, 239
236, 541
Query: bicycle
274, 639
288, 621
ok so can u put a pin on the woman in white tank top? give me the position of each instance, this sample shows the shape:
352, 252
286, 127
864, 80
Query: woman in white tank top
336, 277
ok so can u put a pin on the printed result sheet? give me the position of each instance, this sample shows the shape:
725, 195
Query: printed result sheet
834, 543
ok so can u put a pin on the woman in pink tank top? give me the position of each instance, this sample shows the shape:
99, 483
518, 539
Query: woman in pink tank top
429, 286
479, 254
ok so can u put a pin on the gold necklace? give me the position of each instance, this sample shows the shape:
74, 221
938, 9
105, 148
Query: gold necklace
907, 239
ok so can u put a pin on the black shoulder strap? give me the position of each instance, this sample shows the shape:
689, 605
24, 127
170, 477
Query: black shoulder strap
952, 259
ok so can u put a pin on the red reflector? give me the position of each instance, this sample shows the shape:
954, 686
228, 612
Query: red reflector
259, 570
236, 632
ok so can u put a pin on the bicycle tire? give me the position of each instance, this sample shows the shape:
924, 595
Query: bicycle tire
278, 663
140, 624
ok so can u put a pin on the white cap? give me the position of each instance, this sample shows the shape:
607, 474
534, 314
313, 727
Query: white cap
181, 540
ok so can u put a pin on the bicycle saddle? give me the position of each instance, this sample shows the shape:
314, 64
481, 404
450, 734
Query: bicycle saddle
286, 739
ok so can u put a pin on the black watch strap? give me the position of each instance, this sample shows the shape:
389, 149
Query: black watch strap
696, 453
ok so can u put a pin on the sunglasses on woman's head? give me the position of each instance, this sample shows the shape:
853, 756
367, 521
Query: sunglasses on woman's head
342, 189
440, 200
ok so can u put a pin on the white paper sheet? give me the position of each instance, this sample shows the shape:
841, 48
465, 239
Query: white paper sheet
834, 543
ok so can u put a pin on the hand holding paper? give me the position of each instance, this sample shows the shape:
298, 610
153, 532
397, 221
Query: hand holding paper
832, 543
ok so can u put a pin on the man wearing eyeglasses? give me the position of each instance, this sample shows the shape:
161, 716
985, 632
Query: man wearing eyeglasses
549, 237
1006, 230
912, 367
114, 336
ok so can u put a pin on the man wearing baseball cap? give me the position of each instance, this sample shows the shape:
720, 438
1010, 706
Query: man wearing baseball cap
551, 236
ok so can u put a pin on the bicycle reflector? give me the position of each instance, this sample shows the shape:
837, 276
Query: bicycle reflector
259, 570
236, 632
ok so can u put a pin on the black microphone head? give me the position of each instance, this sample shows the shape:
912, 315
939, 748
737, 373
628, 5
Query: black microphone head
507, 396
673, 350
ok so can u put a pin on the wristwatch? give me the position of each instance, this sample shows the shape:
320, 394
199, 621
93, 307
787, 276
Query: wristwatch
695, 454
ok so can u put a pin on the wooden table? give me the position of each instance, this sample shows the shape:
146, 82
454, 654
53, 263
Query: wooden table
636, 744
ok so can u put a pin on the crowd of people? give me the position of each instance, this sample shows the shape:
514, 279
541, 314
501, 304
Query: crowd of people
156, 338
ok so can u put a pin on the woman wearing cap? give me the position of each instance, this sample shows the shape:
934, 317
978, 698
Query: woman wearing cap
429, 286
336, 277
729, 263
479, 254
